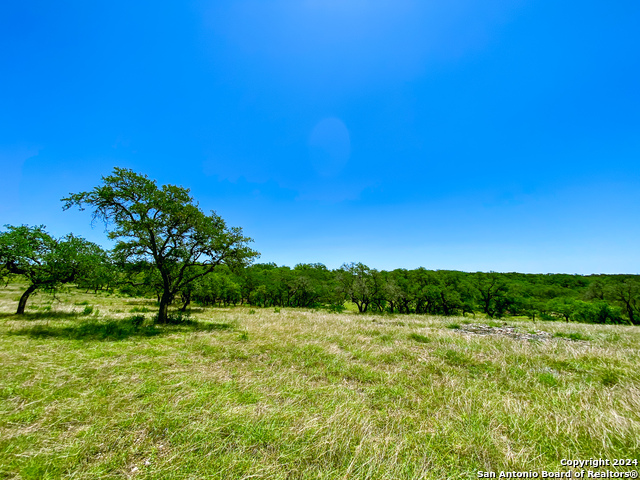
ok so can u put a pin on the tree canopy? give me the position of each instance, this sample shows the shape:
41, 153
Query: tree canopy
44, 261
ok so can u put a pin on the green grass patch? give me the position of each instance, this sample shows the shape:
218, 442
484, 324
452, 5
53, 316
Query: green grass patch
453, 357
572, 336
548, 379
139, 310
610, 378
419, 338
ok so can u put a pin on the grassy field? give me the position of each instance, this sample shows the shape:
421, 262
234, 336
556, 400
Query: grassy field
87, 392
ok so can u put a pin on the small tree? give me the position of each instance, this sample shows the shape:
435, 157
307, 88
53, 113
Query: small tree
356, 284
165, 227
562, 306
45, 261
626, 293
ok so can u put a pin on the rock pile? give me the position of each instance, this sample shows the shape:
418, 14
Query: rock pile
505, 330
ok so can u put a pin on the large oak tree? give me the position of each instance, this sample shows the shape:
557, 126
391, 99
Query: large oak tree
163, 226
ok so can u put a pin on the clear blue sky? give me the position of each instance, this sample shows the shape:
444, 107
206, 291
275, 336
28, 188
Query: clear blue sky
469, 135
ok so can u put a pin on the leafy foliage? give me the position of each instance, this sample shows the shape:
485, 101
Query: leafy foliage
422, 291
44, 261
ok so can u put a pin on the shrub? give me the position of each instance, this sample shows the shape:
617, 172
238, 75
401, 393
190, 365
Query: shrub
88, 310
336, 308
598, 312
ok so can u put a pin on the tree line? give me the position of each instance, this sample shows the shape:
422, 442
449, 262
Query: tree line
167, 247
613, 299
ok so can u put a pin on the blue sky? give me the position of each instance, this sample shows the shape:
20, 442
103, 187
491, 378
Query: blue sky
469, 135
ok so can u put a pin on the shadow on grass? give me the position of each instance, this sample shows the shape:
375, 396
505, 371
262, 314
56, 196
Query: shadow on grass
195, 310
44, 315
114, 330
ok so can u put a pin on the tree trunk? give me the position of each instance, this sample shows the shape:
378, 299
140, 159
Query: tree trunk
187, 302
23, 299
632, 320
164, 307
